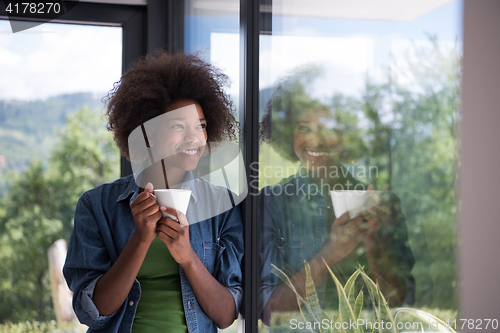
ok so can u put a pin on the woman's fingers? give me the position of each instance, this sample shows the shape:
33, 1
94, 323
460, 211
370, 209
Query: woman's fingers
143, 202
176, 213
170, 227
342, 219
182, 219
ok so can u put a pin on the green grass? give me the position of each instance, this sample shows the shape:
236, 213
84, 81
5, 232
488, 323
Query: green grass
42, 327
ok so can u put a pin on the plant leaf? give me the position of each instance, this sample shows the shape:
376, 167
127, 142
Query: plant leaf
300, 301
345, 310
312, 296
349, 287
427, 317
385, 311
358, 305
374, 296
325, 314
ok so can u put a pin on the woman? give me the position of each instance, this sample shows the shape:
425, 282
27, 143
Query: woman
299, 223
131, 269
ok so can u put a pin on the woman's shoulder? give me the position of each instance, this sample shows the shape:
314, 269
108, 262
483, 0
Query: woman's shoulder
118, 189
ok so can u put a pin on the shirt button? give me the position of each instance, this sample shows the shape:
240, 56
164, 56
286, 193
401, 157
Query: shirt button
131, 303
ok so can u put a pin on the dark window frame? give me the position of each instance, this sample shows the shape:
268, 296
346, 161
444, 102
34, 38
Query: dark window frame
249, 112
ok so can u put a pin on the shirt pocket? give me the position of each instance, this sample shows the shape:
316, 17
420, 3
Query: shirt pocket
211, 254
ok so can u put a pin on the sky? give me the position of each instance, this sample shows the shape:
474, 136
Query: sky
347, 51
53, 59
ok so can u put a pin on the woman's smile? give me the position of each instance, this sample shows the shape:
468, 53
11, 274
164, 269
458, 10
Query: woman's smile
318, 153
191, 151
181, 136
315, 142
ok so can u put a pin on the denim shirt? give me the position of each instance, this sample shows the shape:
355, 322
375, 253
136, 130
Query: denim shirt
295, 224
104, 224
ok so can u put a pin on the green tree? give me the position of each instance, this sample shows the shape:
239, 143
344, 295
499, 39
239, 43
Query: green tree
413, 139
39, 210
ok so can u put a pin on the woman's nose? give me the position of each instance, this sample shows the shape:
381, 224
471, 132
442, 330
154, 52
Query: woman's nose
321, 135
313, 138
194, 137
316, 135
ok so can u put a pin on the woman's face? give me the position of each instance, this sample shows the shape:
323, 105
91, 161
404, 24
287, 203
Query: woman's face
317, 142
181, 135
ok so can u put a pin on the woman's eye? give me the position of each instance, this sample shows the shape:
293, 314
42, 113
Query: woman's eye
176, 126
202, 126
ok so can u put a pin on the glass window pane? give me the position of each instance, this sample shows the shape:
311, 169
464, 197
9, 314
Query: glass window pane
54, 146
212, 31
360, 107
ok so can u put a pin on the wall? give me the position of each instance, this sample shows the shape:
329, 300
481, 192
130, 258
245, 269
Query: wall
480, 168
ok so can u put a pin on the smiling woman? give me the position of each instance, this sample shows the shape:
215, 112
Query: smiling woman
131, 267
298, 221
182, 140
359, 99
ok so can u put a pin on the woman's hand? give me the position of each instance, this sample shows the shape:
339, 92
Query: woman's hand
113, 287
214, 298
375, 213
345, 235
146, 213
175, 234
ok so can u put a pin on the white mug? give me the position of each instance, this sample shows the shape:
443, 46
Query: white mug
350, 201
173, 198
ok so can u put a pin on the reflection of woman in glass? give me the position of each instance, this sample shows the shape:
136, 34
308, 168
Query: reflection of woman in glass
130, 268
299, 223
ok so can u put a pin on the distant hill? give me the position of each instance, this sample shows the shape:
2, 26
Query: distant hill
28, 128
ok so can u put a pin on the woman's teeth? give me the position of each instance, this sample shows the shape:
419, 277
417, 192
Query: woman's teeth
189, 151
319, 153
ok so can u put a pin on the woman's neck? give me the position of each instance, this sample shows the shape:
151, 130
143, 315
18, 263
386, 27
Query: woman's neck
175, 177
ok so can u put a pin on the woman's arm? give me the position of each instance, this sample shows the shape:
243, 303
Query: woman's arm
389, 259
344, 237
114, 286
214, 298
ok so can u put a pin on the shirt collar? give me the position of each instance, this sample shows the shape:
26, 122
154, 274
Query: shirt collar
133, 188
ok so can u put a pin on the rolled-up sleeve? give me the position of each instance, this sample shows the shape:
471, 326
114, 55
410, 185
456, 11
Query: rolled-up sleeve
86, 261
228, 269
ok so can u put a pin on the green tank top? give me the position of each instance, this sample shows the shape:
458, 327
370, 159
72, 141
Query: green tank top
160, 307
